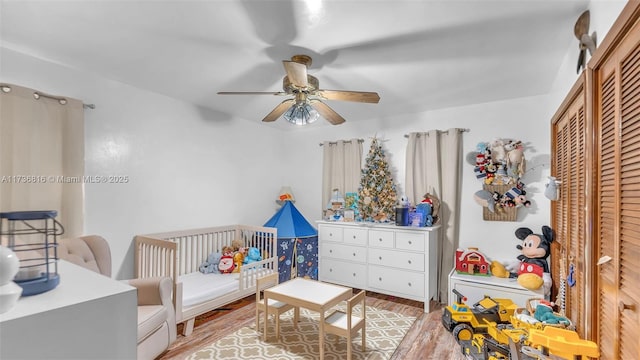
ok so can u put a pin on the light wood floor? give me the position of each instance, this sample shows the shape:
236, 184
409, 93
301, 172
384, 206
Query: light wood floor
427, 338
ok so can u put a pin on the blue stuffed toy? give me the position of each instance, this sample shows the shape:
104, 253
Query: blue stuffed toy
211, 265
253, 255
544, 313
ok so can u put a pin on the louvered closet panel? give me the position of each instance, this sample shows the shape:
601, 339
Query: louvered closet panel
606, 213
629, 242
568, 213
617, 122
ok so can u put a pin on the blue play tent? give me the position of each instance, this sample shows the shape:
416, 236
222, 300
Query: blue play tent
297, 243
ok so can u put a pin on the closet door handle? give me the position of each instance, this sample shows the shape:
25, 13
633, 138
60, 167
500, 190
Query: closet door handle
622, 306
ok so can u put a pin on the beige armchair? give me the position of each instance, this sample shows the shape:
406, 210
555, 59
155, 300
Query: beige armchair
156, 315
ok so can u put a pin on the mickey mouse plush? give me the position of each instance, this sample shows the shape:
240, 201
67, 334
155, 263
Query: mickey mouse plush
533, 271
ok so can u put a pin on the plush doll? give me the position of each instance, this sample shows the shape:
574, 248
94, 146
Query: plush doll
485, 198
425, 208
435, 205
534, 269
211, 264
238, 259
253, 255
236, 244
544, 313
226, 264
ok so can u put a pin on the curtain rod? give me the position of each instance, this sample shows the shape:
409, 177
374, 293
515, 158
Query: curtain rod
37, 95
443, 131
347, 141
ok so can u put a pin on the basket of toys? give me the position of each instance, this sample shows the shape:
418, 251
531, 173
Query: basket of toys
542, 311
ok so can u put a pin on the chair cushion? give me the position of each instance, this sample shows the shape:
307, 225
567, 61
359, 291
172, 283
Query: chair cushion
150, 318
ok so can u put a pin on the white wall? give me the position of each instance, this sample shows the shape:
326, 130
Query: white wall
187, 166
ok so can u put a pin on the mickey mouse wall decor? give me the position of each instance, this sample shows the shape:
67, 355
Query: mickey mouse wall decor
533, 271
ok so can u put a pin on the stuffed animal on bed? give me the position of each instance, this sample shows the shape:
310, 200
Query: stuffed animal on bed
253, 255
238, 259
210, 266
226, 264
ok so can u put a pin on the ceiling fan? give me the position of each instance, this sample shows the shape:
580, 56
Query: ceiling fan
306, 105
587, 42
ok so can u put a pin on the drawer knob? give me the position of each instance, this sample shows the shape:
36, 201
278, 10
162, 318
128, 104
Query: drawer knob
409, 242
379, 279
330, 234
354, 254
354, 274
354, 236
331, 251
330, 270
409, 261
409, 284
380, 257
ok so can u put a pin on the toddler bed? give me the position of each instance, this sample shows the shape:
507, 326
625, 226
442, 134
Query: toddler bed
179, 255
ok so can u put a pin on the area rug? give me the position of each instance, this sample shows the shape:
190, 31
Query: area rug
385, 330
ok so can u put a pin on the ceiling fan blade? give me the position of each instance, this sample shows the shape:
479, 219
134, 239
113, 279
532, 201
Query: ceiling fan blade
582, 25
328, 113
357, 96
296, 72
279, 110
251, 93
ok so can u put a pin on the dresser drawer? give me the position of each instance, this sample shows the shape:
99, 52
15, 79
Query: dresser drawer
343, 272
381, 238
344, 252
397, 259
330, 233
396, 281
355, 236
410, 241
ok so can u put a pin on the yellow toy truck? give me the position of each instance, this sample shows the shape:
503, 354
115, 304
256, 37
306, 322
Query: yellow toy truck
463, 322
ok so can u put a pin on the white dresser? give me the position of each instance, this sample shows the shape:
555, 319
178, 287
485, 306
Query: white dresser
387, 259
475, 287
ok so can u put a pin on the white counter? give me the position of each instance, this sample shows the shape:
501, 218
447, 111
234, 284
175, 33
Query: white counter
87, 316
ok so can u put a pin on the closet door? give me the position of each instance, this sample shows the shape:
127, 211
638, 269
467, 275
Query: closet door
617, 225
569, 165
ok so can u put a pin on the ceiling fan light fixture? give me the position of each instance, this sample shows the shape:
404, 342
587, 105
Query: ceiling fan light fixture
301, 113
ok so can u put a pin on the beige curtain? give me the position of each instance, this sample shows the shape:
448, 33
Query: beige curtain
341, 165
42, 155
433, 165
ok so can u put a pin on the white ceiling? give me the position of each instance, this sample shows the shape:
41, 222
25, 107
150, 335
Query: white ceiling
418, 55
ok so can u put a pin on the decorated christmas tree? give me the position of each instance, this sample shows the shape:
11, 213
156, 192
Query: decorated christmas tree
377, 192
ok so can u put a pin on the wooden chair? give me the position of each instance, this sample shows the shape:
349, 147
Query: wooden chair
346, 324
273, 307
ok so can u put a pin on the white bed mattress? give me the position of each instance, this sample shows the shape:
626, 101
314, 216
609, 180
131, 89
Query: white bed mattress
198, 287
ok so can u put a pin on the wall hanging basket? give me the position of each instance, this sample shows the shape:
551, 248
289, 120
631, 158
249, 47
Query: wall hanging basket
501, 213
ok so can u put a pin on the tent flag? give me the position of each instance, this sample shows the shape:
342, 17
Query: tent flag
290, 223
